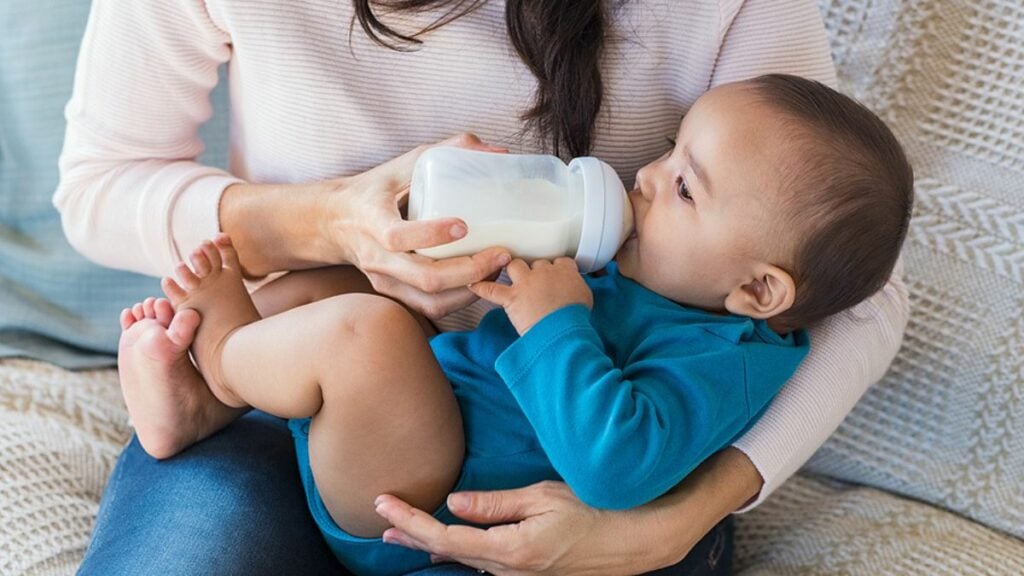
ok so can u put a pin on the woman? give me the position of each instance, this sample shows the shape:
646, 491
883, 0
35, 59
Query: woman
316, 105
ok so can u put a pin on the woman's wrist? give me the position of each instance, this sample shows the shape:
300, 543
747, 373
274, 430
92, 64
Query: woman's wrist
278, 227
675, 522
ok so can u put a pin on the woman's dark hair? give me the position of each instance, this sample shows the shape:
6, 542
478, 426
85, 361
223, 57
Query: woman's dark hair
849, 193
560, 41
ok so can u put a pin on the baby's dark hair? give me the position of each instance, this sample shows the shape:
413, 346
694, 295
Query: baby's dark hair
849, 197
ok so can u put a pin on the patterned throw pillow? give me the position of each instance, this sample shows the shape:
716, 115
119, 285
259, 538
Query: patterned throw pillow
946, 425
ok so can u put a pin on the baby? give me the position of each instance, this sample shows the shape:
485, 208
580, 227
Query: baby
781, 203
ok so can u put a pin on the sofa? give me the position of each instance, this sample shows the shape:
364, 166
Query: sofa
925, 476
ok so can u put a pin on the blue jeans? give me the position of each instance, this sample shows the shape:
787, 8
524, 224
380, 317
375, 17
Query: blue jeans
233, 504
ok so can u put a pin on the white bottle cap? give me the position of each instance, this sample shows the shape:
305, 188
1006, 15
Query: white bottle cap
607, 214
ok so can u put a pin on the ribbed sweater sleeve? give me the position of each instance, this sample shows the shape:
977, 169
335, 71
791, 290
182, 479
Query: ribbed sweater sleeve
131, 195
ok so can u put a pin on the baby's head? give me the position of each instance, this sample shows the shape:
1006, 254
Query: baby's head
782, 199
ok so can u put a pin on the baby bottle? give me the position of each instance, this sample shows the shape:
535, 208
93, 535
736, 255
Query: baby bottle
533, 205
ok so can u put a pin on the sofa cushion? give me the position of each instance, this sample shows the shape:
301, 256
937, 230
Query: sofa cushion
946, 425
42, 313
816, 526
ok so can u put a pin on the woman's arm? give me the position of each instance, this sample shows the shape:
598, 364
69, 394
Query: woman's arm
356, 220
544, 529
132, 195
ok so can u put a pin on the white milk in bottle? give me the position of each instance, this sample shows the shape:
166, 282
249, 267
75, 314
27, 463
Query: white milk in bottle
533, 205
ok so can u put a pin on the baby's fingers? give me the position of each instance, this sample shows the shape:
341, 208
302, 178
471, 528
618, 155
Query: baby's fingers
517, 270
499, 294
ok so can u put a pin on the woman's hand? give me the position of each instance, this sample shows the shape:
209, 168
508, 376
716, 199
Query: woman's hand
553, 533
545, 529
357, 220
368, 228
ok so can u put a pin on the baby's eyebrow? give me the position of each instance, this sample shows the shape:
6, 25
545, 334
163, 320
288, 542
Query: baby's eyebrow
698, 170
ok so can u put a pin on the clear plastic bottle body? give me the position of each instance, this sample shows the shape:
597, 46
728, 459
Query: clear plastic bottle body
530, 204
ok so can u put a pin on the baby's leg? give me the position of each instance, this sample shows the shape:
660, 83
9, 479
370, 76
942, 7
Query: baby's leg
306, 286
169, 402
384, 416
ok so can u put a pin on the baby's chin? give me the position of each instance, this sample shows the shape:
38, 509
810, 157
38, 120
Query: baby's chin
627, 268
624, 263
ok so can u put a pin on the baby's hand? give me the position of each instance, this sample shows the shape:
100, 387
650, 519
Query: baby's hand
536, 292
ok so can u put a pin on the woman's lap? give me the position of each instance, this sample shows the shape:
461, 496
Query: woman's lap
234, 504
231, 504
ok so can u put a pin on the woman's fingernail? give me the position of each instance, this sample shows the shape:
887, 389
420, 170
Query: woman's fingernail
504, 259
457, 231
458, 501
390, 537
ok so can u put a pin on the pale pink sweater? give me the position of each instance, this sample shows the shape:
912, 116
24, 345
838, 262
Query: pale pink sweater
306, 104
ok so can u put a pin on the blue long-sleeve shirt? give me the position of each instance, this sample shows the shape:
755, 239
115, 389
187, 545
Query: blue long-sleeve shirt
629, 398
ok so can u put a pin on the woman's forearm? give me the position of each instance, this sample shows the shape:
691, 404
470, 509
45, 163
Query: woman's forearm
278, 227
675, 522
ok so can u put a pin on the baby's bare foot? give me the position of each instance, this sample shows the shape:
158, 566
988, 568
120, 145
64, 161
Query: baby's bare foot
214, 289
170, 405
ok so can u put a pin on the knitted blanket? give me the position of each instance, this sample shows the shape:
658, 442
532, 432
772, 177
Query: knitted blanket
931, 460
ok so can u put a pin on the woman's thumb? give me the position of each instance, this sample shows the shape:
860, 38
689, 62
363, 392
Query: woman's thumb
497, 507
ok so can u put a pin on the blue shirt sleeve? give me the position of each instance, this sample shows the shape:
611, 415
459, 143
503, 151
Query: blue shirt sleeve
623, 437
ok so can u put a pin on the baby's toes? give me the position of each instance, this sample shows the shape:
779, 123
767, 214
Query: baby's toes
173, 291
227, 251
182, 329
138, 311
164, 311
127, 318
187, 278
147, 307
212, 254
200, 263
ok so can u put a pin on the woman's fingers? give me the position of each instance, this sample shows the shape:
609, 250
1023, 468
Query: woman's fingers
433, 276
501, 506
536, 527
403, 236
432, 306
416, 529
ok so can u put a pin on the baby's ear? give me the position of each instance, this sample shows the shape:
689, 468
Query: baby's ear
768, 293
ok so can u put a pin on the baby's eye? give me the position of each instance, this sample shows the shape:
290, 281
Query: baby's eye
684, 191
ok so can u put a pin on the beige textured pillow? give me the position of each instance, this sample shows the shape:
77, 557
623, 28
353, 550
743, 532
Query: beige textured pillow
946, 425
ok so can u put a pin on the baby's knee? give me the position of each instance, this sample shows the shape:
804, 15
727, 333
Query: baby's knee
367, 320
